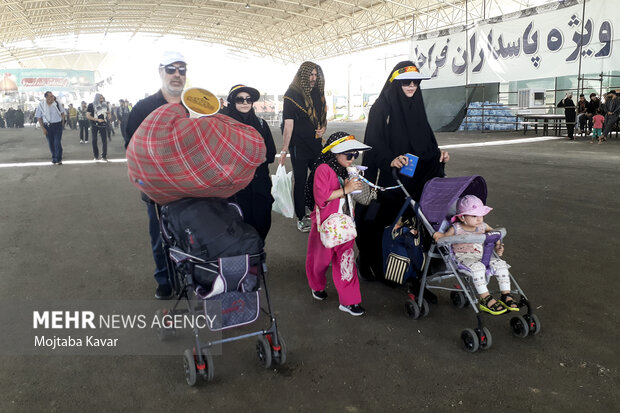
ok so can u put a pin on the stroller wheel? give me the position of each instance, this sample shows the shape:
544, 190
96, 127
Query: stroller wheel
424, 309
279, 357
263, 351
189, 364
485, 338
533, 323
207, 372
519, 326
458, 299
412, 309
470, 340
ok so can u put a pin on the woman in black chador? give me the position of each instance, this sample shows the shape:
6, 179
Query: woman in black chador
397, 125
255, 199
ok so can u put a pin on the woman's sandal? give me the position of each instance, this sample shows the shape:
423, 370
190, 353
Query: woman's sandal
508, 302
496, 309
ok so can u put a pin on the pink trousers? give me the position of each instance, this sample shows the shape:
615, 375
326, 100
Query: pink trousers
344, 272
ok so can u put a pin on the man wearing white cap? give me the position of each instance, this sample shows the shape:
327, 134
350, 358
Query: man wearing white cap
172, 71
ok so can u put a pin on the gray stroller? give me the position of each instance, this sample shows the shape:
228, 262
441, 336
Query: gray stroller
216, 263
436, 205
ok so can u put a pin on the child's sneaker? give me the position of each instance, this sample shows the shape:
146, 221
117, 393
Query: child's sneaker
355, 309
319, 295
495, 309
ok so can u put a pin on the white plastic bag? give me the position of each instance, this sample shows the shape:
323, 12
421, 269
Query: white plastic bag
282, 192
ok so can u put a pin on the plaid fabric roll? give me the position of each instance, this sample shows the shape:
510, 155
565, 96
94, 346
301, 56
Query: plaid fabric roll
171, 156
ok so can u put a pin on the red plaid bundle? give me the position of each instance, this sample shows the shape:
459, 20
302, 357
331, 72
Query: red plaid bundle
172, 156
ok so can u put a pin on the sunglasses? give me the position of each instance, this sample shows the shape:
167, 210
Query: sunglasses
171, 69
407, 82
351, 155
241, 100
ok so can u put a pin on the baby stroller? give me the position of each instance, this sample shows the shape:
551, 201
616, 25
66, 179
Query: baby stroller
437, 204
216, 262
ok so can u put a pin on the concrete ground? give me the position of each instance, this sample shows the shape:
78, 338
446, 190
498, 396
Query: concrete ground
79, 232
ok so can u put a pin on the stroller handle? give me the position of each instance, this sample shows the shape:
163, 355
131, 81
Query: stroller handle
397, 179
470, 239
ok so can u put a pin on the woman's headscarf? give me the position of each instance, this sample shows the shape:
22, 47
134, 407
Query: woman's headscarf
397, 125
249, 118
310, 96
328, 158
409, 127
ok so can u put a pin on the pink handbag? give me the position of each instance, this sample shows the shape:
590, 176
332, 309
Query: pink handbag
337, 229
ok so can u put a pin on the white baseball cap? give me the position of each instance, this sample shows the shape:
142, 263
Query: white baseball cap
171, 57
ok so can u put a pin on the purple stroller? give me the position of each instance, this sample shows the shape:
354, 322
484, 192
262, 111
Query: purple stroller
438, 204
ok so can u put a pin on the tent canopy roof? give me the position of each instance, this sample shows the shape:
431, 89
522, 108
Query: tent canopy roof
285, 30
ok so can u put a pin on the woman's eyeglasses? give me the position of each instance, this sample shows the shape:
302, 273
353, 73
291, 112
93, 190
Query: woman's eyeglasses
241, 100
351, 155
171, 69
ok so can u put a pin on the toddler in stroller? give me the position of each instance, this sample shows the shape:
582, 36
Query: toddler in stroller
464, 263
470, 212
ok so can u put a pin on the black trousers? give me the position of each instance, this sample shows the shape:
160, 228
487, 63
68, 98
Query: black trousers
104, 142
83, 129
570, 125
124, 131
302, 163
610, 123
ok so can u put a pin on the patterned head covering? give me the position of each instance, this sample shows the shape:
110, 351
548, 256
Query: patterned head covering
330, 159
301, 85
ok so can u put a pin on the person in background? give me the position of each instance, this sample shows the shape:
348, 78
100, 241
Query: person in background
598, 120
173, 74
51, 115
582, 119
97, 112
82, 120
73, 114
305, 120
123, 117
19, 118
111, 120
592, 108
611, 110
569, 114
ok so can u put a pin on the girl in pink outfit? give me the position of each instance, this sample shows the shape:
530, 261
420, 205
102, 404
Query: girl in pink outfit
328, 189
597, 130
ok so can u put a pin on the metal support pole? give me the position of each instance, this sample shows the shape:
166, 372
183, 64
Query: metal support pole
583, 18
